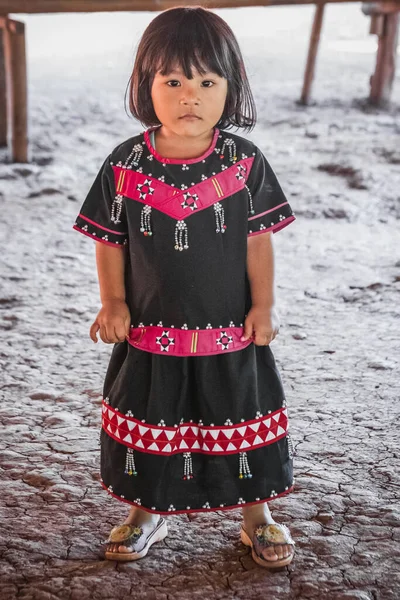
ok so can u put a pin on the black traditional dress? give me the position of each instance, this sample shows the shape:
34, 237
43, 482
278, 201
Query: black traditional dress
193, 419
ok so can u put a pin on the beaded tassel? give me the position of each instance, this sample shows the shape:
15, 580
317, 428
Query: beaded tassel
136, 154
130, 468
116, 208
219, 218
251, 207
181, 236
231, 148
145, 220
187, 466
291, 449
244, 469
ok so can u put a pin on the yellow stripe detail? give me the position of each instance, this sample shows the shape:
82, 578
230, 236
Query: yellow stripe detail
141, 337
219, 185
121, 180
195, 337
217, 188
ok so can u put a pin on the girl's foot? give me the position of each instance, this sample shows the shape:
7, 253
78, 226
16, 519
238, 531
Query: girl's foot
147, 521
259, 514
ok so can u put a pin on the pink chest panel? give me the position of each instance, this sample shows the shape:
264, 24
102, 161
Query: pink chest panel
180, 204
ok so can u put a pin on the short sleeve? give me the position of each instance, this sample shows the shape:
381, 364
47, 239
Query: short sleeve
102, 215
269, 209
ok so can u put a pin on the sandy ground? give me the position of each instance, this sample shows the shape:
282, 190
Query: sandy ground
338, 277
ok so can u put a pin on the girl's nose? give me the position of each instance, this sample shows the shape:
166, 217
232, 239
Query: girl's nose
190, 100
189, 97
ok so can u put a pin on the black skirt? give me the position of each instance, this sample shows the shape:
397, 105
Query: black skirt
220, 394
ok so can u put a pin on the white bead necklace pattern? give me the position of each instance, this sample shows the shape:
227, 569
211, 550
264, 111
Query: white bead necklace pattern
181, 230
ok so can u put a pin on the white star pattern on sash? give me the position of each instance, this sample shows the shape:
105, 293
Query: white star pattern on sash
224, 340
164, 341
189, 201
241, 171
147, 190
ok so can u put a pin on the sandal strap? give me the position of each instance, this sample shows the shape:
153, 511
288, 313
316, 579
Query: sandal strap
275, 534
124, 533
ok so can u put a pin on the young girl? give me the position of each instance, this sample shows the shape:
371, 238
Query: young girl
194, 414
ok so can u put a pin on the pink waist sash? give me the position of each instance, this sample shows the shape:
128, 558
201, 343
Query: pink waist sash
187, 342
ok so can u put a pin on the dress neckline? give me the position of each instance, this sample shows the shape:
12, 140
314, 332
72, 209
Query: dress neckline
177, 161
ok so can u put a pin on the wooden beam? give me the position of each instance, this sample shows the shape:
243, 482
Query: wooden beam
380, 8
57, 6
382, 80
312, 54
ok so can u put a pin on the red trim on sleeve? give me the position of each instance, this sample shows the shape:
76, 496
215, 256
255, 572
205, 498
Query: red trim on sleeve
274, 228
94, 237
101, 227
267, 211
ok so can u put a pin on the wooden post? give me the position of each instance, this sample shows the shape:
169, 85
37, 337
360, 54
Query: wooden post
382, 80
3, 85
18, 92
312, 53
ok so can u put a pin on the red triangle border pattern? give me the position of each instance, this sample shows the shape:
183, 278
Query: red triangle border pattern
191, 437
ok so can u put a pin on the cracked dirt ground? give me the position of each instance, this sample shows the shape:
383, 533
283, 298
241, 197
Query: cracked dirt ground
338, 277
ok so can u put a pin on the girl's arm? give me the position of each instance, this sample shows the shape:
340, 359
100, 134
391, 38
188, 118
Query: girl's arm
262, 319
113, 319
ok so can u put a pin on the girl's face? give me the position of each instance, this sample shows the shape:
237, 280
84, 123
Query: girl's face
175, 95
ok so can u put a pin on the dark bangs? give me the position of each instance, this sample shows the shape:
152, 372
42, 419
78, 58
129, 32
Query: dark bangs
188, 37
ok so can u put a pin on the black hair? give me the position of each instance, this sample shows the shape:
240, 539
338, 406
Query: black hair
191, 36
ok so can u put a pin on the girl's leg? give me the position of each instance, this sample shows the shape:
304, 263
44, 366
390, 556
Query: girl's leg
137, 516
259, 514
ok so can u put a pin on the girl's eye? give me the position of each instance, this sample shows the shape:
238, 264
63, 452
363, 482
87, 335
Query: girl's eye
173, 81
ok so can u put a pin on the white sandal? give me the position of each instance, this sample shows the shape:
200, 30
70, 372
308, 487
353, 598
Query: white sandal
128, 535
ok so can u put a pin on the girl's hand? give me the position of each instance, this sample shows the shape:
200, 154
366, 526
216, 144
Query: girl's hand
262, 324
113, 321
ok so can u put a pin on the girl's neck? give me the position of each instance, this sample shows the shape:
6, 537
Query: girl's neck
176, 147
